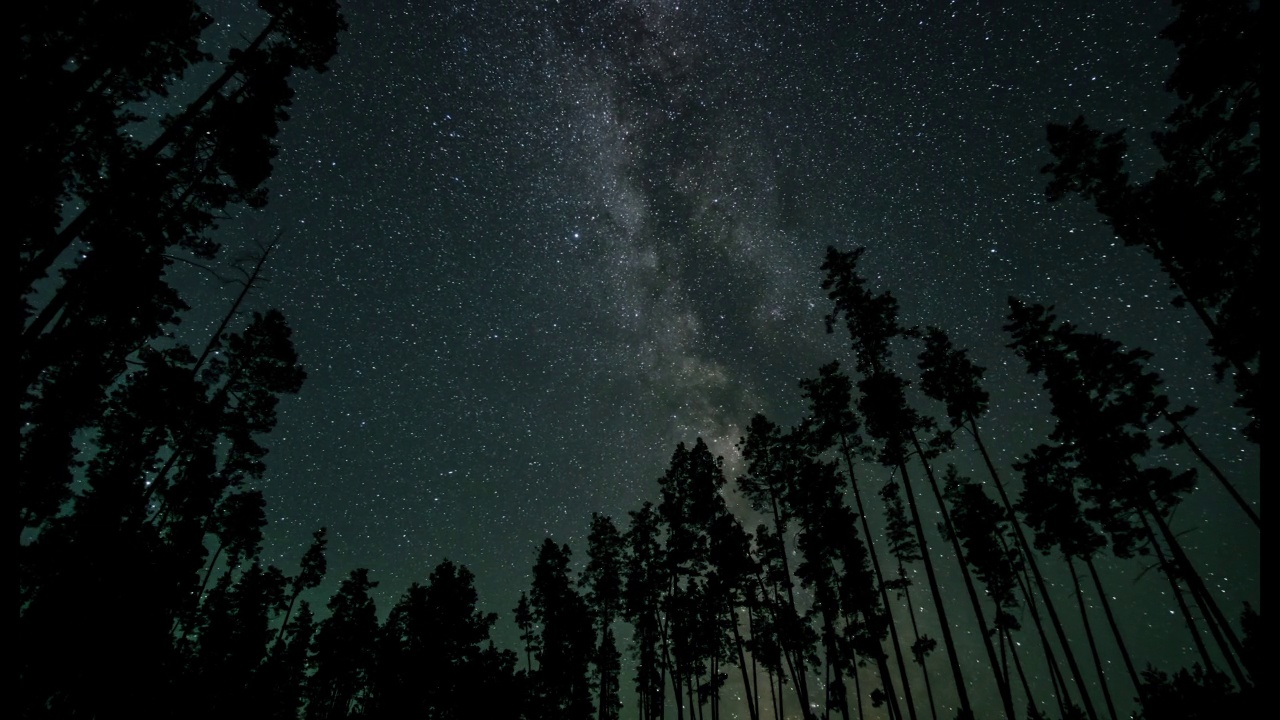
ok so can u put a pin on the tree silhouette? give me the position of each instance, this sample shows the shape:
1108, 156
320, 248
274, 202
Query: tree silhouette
695, 609
872, 322
1200, 215
435, 658
314, 568
283, 679
523, 617
175, 450
733, 579
78, 335
831, 424
345, 652
137, 456
602, 585
772, 473
641, 606
1051, 507
903, 546
778, 629
983, 528
949, 376
234, 640
561, 688
1104, 401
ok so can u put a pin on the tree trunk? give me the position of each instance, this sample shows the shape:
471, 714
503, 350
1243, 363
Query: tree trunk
1226, 484
1115, 628
962, 692
915, 629
800, 676
1093, 643
1006, 697
885, 679
1041, 586
1171, 574
742, 663
1221, 630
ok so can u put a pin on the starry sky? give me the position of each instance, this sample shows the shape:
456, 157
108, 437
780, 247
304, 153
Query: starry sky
530, 246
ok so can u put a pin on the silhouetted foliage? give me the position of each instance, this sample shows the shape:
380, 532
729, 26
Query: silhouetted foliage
560, 685
344, 652
435, 657
641, 606
872, 322
602, 583
1200, 215
137, 457
772, 484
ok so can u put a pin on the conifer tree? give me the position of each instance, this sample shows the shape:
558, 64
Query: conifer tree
949, 376
282, 685
772, 470
1051, 507
345, 652
691, 504
832, 424
642, 597
902, 544
983, 528
435, 656
523, 617
733, 578
602, 585
1200, 215
872, 323
560, 685
1104, 401
233, 640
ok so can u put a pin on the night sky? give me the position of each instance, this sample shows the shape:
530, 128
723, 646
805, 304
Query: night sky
529, 249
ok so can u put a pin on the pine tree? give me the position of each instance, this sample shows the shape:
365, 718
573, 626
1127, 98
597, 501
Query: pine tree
733, 579
1051, 507
435, 656
1104, 401
771, 477
560, 684
983, 528
641, 606
949, 376
602, 585
903, 547
233, 638
1200, 215
872, 322
691, 503
345, 652
831, 424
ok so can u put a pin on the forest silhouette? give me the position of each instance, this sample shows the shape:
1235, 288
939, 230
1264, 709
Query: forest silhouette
142, 584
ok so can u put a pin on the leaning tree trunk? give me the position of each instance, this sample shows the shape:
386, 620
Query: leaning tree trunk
881, 664
1041, 586
962, 692
1185, 438
1222, 633
1170, 573
915, 629
1002, 685
1115, 628
1093, 643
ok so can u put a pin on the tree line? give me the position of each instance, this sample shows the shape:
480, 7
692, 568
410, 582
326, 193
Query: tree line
141, 529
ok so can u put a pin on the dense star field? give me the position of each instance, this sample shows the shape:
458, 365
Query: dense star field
529, 247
